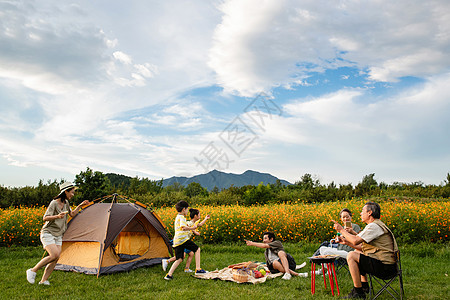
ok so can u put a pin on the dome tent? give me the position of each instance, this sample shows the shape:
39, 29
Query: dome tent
112, 237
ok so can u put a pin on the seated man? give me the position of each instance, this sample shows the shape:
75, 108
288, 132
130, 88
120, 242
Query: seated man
376, 248
277, 259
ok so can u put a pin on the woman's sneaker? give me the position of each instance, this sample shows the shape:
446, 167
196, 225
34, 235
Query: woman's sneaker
31, 276
286, 276
188, 271
201, 271
45, 282
168, 277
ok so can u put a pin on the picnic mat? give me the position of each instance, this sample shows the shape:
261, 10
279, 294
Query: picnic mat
226, 274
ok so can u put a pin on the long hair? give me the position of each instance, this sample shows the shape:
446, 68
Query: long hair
63, 196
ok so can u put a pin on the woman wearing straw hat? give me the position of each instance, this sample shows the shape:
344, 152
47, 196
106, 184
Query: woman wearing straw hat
51, 233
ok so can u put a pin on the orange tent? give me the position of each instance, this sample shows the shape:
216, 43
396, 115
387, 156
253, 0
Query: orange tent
112, 237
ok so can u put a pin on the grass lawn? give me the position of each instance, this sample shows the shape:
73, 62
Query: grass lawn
426, 269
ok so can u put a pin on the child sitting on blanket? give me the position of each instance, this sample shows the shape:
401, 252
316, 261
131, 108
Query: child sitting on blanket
277, 259
195, 220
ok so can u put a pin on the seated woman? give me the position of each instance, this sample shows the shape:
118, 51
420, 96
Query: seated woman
339, 249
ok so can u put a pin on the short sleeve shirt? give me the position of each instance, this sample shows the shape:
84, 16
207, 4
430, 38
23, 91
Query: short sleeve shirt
181, 235
371, 232
191, 224
56, 227
272, 251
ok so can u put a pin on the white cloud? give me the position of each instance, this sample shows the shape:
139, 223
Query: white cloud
347, 130
122, 57
84, 85
261, 45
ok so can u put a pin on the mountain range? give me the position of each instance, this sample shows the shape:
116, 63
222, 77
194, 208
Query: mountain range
223, 180
209, 180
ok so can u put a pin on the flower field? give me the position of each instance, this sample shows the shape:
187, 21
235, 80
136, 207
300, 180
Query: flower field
410, 221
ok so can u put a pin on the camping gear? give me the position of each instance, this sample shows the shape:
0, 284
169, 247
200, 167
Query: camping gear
112, 237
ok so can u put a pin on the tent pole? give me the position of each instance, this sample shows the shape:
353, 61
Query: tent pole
102, 245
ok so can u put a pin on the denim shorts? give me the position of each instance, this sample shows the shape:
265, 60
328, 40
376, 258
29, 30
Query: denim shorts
49, 239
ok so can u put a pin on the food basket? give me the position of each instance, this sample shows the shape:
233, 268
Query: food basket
240, 275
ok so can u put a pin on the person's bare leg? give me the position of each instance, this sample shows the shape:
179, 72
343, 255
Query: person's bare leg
175, 266
54, 252
285, 263
353, 261
189, 260
197, 259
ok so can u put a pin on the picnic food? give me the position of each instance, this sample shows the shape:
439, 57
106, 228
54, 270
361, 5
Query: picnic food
258, 274
326, 256
240, 275
242, 265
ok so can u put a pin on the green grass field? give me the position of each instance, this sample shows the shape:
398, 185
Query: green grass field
426, 269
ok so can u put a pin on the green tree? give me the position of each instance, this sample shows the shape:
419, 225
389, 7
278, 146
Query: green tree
174, 187
307, 182
195, 189
260, 194
92, 185
447, 181
367, 184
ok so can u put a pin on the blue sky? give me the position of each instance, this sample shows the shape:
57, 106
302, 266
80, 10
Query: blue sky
178, 88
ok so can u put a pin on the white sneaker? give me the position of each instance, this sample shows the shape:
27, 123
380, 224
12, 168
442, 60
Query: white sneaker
164, 264
300, 266
45, 282
318, 272
188, 271
286, 276
31, 276
303, 274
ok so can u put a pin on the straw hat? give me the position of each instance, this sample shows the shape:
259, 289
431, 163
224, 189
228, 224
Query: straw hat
65, 187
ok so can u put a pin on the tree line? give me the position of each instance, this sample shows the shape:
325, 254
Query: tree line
95, 185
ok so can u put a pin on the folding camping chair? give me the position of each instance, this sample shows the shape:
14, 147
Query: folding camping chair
341, 263
386, 284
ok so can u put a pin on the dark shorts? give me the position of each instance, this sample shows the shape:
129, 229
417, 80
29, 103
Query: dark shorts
368, 265
189, 245
291, 262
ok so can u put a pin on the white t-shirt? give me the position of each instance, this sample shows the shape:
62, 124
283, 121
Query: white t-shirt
272, 256
371, 232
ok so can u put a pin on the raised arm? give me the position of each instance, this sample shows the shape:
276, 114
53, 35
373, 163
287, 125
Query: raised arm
204, 221
350, 239
74, 212
255, 244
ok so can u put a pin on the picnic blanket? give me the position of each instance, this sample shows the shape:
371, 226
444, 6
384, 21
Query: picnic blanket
226, 274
